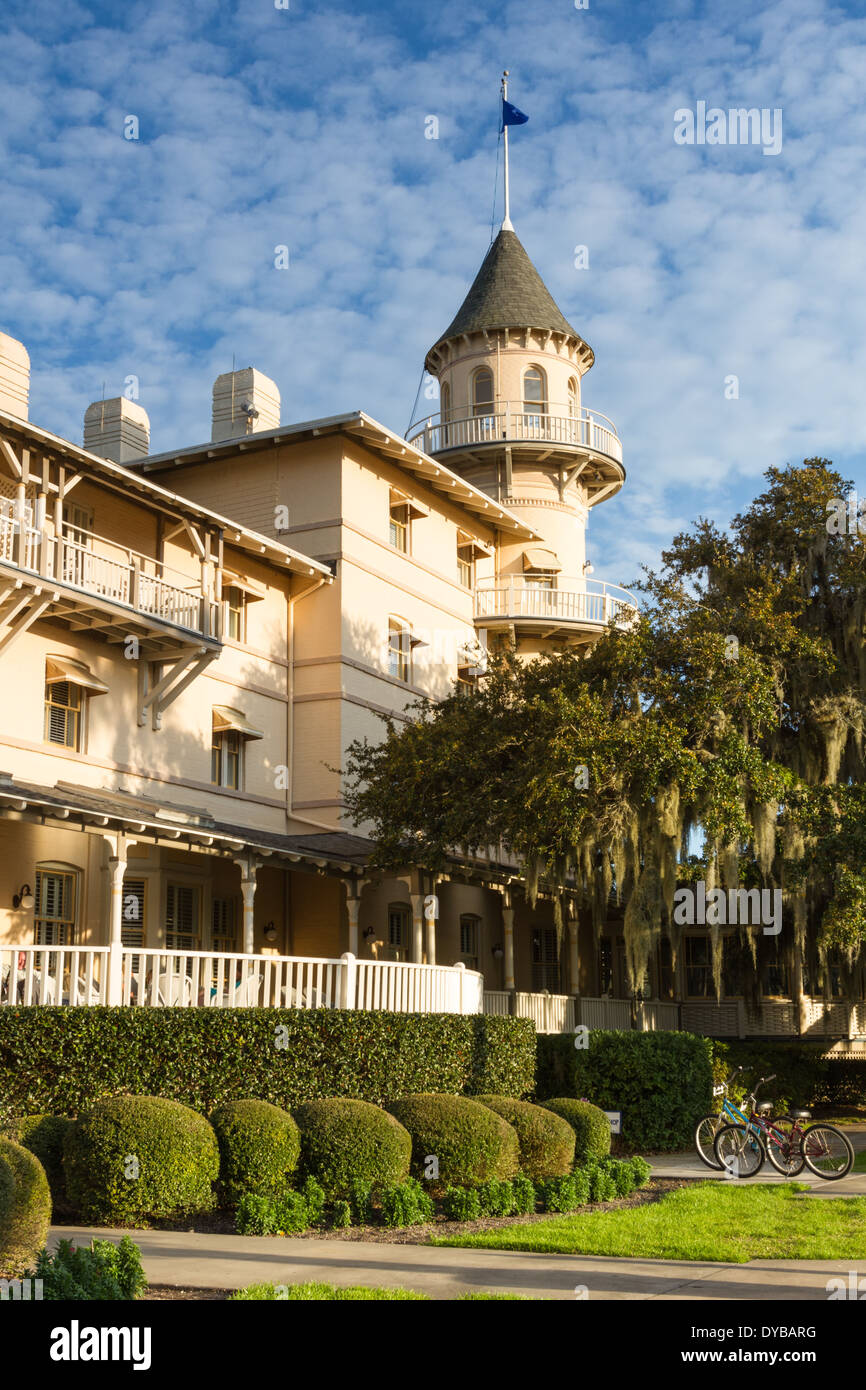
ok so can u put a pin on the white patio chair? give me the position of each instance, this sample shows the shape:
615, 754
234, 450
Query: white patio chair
173, 990
83, 995
246, 994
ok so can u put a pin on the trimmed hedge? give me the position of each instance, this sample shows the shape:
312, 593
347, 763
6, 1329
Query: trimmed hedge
590, 1126
259, 1148
43, 1135
662, 1082
470, 1141
802, 1073
350, 1141
25, 1209
546, 1142
133, 1158
60, 1061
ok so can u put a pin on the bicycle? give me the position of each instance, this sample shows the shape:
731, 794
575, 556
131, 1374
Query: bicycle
742, 1146
708, 1127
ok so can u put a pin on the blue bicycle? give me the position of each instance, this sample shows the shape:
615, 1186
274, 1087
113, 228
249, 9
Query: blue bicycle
707, 1130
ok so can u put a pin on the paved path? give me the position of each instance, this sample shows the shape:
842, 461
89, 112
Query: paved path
688, 1165
185, 1259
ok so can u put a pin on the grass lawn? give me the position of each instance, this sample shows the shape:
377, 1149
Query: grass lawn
859, 1163
319, 1293
732, 1221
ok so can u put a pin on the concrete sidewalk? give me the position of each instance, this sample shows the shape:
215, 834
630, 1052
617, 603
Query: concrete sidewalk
188, 1260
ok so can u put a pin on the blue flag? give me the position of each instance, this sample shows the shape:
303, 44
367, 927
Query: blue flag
511, 116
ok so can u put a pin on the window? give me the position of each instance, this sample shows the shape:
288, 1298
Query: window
236, 614
665, 970
78, 524
539, 579
605, 967
182, 917
231, 732
534, 392
445, 403
54, 908
465, 561
224, 924
775, 979
398, 930
399, 650
132, 915
470, 932
226, 759
572, 397
63, 714
482, 392
545, 960
399, 532
699, 967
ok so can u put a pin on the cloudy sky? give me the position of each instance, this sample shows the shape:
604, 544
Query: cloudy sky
305, 126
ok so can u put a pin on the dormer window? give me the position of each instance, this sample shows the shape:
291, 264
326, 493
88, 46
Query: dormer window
399, 526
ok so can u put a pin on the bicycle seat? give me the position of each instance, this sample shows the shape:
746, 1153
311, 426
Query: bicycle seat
800, 1114
765, 1107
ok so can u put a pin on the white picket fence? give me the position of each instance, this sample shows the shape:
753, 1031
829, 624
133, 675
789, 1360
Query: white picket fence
61, 975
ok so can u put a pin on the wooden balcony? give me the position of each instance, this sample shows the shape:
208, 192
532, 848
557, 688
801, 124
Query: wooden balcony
574, 603
89, 582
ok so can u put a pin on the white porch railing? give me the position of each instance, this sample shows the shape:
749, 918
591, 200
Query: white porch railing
573, 600
515, 422
61, 975
100, 567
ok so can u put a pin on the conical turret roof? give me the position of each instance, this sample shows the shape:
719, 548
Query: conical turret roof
507, 292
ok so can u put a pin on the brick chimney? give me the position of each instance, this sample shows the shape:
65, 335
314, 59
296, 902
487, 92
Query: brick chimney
14, 377
244, 402
118, 429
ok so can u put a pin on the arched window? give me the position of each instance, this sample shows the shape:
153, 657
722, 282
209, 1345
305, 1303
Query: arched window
572, 397
482, 392
534, 391
56, 905
444, 403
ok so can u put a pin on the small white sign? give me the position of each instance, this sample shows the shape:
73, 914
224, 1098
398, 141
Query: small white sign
615, 1120
718, 1090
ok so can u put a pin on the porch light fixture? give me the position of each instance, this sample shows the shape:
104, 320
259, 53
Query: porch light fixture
270, 932
497, 952
369, 933
23, 900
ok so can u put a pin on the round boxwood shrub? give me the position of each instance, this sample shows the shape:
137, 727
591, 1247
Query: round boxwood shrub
470, 1141
545, 1140
133, 1158
43, 1136
591, 1126
259, 1148
25, 1209
349, 1141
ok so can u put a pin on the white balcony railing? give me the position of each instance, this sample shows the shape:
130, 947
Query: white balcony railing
515, 422
101, 568
583, 602
58, 975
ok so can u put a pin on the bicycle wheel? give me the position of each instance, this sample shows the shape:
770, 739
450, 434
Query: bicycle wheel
705, 1135
739, 1150
784, 1148
827, 1152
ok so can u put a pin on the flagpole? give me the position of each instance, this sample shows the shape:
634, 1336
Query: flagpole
506, 221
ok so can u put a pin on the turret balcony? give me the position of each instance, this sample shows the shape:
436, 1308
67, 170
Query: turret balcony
566, 603
542, 424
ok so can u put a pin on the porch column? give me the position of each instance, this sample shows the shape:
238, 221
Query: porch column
353, 907
431, 912
417, 900
508, 940
248, 892
116, 871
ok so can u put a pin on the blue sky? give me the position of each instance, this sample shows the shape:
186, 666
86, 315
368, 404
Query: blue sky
305, 127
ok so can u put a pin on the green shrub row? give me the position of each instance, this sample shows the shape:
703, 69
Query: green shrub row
803, 1075
61, 1061
662, 1082
101, 1270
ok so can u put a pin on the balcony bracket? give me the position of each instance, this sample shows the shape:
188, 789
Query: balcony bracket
183, 667
23, 615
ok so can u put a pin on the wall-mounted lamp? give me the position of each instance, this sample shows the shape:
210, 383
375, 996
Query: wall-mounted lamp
270, 932
369, 933
497, 952
588, 568
24, 899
